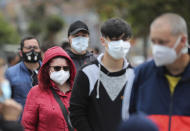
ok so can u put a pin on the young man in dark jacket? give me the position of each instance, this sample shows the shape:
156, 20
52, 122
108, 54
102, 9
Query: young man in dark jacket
162, 86
97, 94
78, 35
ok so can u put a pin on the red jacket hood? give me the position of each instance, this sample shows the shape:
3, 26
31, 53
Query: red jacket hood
43, 76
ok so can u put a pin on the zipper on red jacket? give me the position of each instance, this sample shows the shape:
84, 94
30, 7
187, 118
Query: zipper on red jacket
170, 112
171, 107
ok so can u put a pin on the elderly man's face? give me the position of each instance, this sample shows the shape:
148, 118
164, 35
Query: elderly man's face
161, 34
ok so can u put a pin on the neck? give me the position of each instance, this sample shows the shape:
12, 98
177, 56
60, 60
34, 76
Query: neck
179, 65
64, 88
77, 53
111, 64
32, 66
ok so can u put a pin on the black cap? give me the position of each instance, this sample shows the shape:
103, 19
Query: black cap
76, 27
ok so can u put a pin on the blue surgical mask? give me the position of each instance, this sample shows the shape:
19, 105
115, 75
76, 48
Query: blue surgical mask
6, 91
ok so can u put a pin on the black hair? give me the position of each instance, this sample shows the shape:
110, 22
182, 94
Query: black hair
27, 38
65, 45
115, 27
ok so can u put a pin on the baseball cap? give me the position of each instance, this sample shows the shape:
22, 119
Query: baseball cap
76, 27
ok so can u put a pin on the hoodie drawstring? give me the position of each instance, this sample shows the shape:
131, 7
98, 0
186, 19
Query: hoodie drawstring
98, 84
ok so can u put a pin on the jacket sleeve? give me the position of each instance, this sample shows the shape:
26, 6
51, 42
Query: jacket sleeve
134, 92
79, 103
30, 114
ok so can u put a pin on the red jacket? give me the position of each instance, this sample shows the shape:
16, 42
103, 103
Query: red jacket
41, 111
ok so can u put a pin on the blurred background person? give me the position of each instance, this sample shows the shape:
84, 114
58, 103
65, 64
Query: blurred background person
9, 109
78, 35
9, 114
95, 51
23, 75
12, 58
65, 45
4, 84
42, 112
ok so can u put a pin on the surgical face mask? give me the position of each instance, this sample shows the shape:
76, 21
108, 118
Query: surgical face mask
80, 44
164, 55
118, 49
6, 91
32, 56
60, 77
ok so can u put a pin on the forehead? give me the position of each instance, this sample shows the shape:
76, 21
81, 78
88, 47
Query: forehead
160, 30
58, 61
82, 32
31, 42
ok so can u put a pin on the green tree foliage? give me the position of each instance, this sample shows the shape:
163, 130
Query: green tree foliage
140, 13
8, 34
43, 24
54, 24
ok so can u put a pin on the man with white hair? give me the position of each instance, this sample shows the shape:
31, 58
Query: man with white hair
161, 87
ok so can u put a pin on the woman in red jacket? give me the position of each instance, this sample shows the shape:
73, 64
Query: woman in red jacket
42, 112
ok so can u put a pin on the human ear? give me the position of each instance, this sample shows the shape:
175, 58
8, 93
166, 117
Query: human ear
103, 41
20, 53
183, 40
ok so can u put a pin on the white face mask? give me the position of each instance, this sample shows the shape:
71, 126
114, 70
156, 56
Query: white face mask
164, 55
60, 77
6, 91
118, 49
79, 43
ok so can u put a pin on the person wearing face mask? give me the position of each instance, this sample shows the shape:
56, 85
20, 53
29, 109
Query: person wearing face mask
9, 109
23, 76
97, 94
78, 35
161, 86
47, 103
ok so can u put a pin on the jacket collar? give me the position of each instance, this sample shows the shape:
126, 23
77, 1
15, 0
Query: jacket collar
23, 66
72, 55
185, 74
118, 73
125, 65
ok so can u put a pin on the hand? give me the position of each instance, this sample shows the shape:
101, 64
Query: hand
11, 110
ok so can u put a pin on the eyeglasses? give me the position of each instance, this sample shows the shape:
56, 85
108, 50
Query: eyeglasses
58, 68
31, 47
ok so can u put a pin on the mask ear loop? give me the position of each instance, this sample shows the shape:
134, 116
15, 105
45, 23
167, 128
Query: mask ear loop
177, 42
184, 50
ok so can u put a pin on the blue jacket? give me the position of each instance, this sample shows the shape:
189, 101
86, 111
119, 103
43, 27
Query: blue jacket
137, 122
20, 81
151, 95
